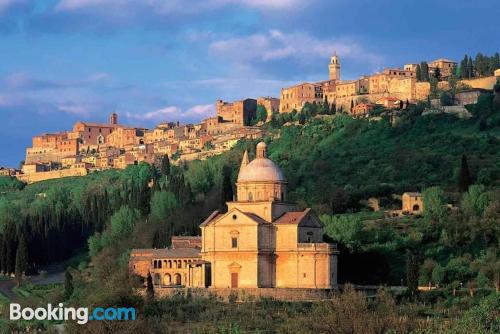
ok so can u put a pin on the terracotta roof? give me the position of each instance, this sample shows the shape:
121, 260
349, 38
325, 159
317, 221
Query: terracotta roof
210, 218
149, 253
292, 217
412, 193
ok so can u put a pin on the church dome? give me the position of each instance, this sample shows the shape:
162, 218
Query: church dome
261, 170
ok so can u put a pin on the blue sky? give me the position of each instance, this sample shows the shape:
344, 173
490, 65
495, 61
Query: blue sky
156, 60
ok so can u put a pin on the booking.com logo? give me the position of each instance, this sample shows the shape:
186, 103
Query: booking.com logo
81, 314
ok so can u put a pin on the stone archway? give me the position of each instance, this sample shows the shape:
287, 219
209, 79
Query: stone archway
167, 279
177, 279
416, 207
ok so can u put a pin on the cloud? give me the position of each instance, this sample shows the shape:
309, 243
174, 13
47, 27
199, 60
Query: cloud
23, 81
6, 4
170, 113
77, 109
277, 45
163, 7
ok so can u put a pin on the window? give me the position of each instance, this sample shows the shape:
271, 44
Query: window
234, 242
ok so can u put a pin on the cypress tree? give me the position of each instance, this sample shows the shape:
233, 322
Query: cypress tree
150, 291
21, 260
412, 273
226, 188
165, 166
465, 179
470, 68
68, 284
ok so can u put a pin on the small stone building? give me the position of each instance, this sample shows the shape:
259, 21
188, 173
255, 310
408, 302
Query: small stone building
412, 203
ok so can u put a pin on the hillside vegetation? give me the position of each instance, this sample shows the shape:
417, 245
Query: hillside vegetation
333, 164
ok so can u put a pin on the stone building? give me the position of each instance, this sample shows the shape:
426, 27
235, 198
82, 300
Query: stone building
469, 96
294, 98
272, 104
238, 112
362, 109
334, 68
262, 241
412, 203
445, 66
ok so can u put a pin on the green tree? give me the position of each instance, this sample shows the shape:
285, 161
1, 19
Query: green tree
424, 69
123, 221
21, 260
434, 92
470, 68
68, 284
438, 275
475, 201
261, 115
150, 291
226, 186
412, 273
165, 166
418, 73
163, 203
434, 203
464, 177
446, 99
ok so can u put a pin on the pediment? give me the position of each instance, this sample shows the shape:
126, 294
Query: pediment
236, 217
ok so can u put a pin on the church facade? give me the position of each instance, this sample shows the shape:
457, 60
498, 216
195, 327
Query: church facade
262, 241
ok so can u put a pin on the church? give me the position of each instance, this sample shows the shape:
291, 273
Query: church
262, 241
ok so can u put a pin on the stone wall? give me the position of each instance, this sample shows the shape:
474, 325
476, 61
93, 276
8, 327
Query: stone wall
55, 174
249, 294
485, 83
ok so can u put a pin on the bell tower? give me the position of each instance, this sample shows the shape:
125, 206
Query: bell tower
334, 67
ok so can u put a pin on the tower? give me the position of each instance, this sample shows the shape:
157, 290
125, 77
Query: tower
334, 68
113, 119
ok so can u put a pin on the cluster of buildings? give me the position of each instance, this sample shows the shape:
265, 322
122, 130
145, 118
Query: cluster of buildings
100, 146
388, 88
262, 241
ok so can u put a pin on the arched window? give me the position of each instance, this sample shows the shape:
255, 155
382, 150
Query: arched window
167, 279
177, 279
416, 207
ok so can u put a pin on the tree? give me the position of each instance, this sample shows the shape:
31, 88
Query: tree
333, 109
463, 71
412, 273
261, 115
163, 203
434, 203
165, 166
475, 201
68, 284
150, 291
470, 68
437, 73
446, 99
21, 260
438, 274
418, 73
464, 177
123, 221
424, 69
434, 93
226, 187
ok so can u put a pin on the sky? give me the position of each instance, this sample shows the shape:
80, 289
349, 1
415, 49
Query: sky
169, 60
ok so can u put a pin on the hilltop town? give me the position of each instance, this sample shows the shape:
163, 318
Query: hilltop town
443, 84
